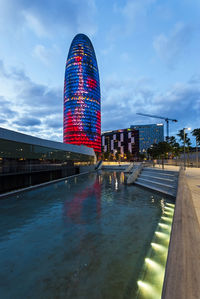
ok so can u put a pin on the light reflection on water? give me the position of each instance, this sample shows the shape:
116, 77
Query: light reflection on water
85, 237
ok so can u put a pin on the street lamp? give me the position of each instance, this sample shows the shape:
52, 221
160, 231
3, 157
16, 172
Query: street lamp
196, 152
184, 143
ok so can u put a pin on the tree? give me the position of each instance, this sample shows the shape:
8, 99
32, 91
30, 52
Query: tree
187, 142
181, 137
171, 140
160, 150
175, 147
129, 156
142, 156
164, 148
117, 155
153, 151
106, 156
196, 133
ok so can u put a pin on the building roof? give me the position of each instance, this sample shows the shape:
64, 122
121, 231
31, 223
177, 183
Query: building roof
20, 137
148, 125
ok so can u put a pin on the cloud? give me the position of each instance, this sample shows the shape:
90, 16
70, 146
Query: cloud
122, 99
34, 24
36, 109
45, 55
27, 106
195, 79
108, 50
5, 111
27, 121
183, 101
171, 48
126, 57
133, 8
14, 73
55, 121
45, 18
133, 12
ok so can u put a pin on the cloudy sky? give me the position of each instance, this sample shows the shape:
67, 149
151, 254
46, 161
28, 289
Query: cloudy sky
148, 53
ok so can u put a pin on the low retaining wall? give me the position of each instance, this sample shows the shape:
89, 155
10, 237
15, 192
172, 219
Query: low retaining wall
114, 165
182, 275
87, 168
14, 181
14, 192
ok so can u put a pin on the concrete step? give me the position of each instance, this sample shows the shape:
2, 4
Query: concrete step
160, 174
169, 191
165, 180
164, 172
113, 167
155, 183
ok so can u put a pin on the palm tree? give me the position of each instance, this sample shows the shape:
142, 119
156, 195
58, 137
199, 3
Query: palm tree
196, 133
171, 140
183, 136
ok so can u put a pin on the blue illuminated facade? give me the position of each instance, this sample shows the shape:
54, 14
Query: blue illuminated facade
82, 113
148, 135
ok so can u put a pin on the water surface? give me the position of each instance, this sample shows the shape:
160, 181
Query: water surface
85, 237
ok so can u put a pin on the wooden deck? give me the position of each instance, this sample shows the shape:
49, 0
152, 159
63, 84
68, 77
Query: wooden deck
182, 276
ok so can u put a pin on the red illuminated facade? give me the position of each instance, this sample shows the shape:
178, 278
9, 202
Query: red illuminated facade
82, 111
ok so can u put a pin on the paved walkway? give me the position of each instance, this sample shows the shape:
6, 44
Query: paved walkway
193, 180
182, 276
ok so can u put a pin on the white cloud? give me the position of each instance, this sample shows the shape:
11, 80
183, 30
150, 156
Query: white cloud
28, 106
133, 13
37, 109
122, 99
35, 25
107, 50
170, 48
47, 18
126, 57
43, 54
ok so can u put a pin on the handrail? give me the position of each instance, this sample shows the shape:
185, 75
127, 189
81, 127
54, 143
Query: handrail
129, 168
135, 173
99, 165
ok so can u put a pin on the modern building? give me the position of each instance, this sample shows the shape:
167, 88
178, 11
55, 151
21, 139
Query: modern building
26, 160
82, 113
148, 135
124, 142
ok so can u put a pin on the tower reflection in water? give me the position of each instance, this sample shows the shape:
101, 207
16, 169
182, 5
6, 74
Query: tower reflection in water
84, 204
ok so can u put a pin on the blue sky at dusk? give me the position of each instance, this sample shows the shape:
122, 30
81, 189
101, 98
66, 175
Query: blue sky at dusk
148, 54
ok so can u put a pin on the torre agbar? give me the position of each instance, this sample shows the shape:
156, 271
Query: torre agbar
82, 110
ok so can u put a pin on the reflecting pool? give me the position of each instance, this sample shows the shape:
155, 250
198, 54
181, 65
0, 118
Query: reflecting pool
85, 237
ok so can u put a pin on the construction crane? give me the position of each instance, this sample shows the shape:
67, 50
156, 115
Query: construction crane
165, 118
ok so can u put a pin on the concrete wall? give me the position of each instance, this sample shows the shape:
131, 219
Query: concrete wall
14, 181
88, 168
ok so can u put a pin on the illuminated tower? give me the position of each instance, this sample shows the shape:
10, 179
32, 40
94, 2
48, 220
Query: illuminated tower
82, 110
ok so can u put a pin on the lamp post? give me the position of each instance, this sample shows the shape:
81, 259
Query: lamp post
184, 144
196, 152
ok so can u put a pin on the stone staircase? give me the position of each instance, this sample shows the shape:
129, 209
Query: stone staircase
163, 181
